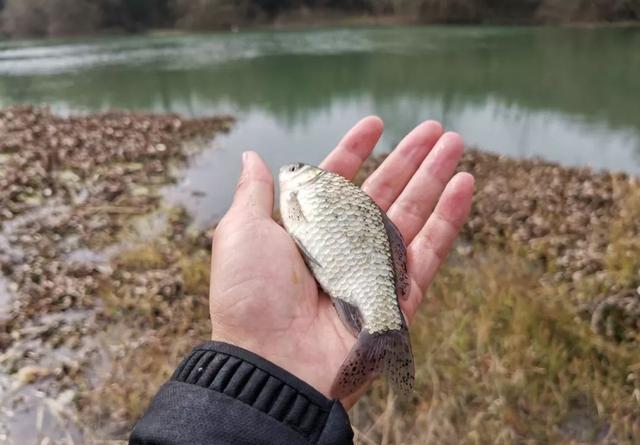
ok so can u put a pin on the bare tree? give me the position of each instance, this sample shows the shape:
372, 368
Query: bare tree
72, 17
207, 14
450, 11
25, 18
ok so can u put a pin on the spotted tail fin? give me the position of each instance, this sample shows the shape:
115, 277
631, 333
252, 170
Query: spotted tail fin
386, 352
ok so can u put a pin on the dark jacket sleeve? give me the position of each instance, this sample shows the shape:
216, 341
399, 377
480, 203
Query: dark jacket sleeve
222, 394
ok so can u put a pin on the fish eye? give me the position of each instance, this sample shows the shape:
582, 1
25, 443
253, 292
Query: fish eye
295, 167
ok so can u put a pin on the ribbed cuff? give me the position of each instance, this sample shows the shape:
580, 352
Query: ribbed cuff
249, 378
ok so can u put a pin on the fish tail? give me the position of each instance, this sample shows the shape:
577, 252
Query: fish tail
387, 352
399, 366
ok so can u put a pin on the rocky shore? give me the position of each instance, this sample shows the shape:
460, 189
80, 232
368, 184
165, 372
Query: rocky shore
530, 332
105, 288
579, 226
71, 191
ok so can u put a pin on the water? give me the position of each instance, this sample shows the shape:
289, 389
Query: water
567, 95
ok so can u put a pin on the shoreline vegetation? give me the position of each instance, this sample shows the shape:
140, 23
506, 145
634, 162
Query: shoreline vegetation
53, 18
530, 334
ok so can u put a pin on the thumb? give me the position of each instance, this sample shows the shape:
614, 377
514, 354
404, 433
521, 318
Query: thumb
254, 193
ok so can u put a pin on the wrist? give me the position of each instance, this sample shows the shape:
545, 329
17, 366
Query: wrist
265, 386
252, 343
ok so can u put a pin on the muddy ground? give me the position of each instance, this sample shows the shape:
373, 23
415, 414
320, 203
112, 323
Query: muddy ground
73, 192
536, 315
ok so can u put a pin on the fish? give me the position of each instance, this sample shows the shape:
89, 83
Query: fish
358, 257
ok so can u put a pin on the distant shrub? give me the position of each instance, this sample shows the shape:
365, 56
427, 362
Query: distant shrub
136, 15
49, 17
25, 18
451, 11
72, 17
68, 17
208, 14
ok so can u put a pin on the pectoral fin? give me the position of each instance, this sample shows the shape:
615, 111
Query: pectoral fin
305, 253
295, 214
294, 209
349, 314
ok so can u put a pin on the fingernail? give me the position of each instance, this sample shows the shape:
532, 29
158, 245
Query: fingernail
245, 159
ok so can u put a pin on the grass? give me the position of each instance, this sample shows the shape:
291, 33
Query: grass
157, 310
622, 259
139, 368
502, 358
195, 273
141, 258
504, 353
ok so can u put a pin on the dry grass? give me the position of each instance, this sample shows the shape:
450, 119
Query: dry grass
141, 258
502, 358
622, 259
195, 273
139, 367
504, 354
157, 311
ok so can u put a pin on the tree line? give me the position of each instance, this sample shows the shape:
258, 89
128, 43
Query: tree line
72, 17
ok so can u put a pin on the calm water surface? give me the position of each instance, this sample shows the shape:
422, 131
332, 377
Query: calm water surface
567, 95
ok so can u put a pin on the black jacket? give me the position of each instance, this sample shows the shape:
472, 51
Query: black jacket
222, 394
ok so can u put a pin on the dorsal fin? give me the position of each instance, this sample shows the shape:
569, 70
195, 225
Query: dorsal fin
399, 254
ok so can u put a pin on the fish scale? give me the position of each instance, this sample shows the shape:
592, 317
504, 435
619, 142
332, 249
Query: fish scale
347, 238
358, 258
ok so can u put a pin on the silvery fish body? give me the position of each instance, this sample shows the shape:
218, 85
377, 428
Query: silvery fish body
358, 257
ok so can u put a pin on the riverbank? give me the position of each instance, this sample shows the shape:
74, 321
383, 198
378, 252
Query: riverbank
322, 22
530, 333
73, 191
302, 22
38, 18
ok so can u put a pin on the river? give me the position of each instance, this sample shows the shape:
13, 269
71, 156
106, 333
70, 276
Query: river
570, 95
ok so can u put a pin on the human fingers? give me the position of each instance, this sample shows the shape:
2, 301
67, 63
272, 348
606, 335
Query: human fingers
431, 245
254, 192
354, 147
387, 182
411, 209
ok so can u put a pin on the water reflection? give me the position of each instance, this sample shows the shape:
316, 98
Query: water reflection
568, 95
207, 187
591, 73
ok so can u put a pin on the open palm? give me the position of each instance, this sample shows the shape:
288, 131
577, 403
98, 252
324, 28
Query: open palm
264, 299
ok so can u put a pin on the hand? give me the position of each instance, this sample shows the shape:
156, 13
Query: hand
264, 299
